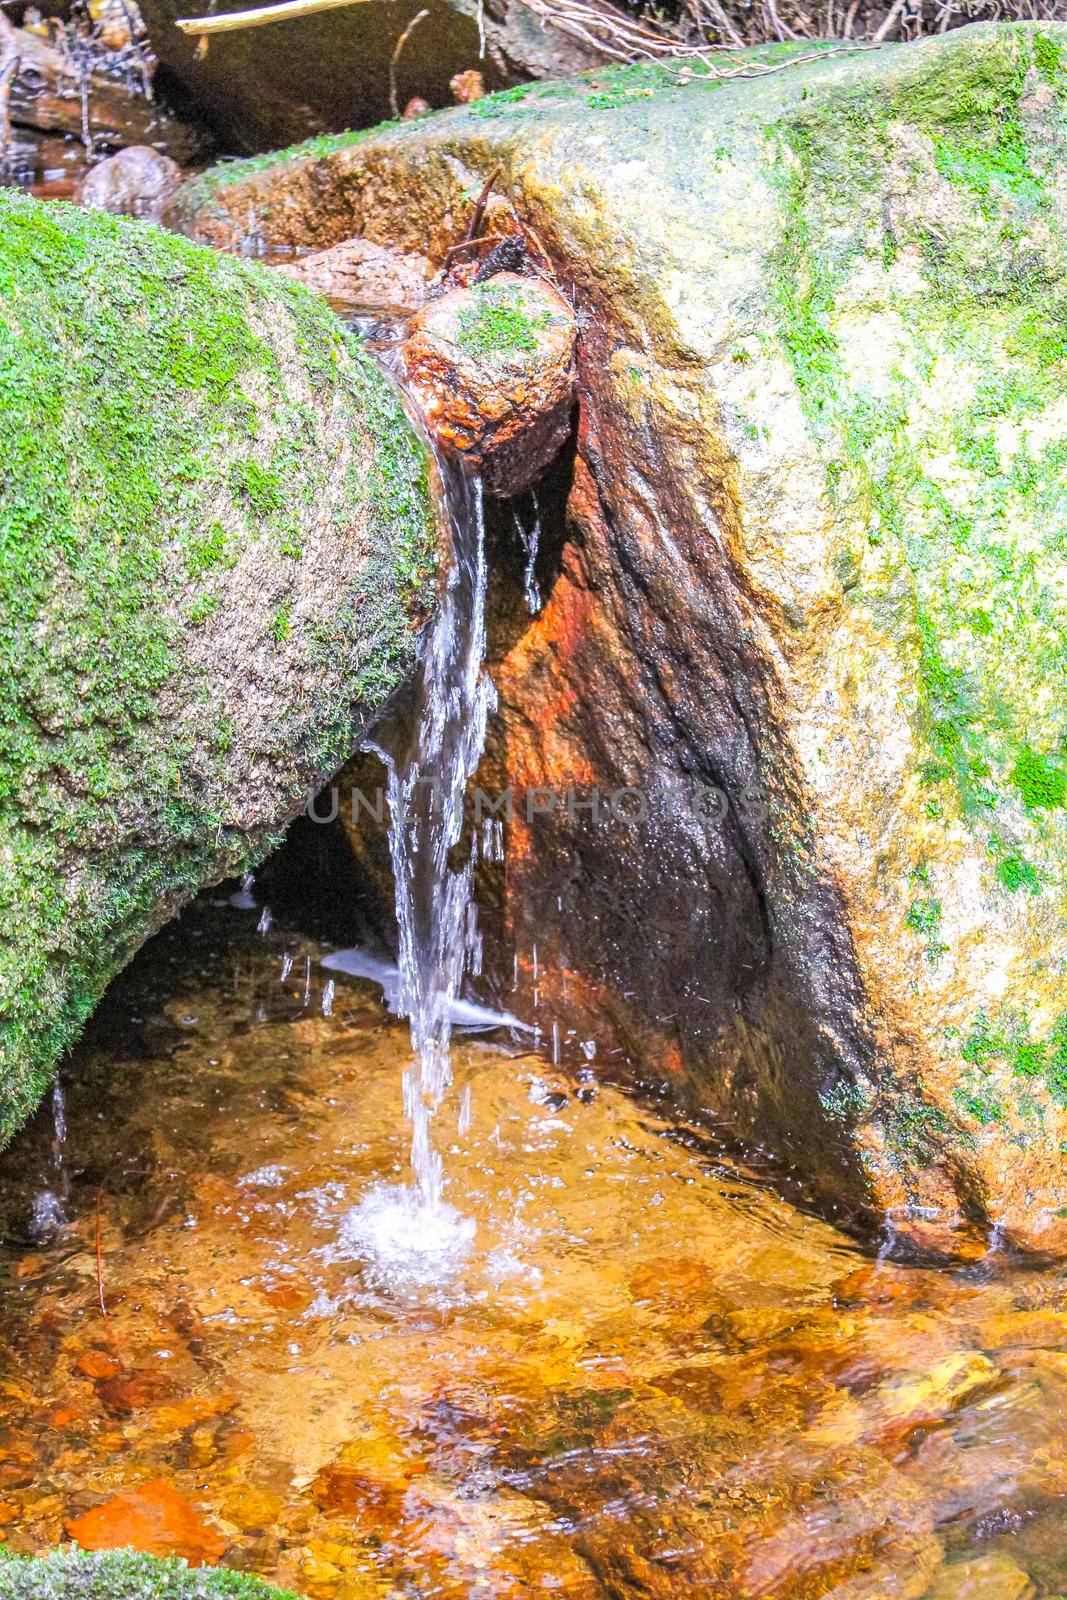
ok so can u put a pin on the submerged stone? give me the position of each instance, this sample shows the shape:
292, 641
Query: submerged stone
805, 589
153, 1518
217, 547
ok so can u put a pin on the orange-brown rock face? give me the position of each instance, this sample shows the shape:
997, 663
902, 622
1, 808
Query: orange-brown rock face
493, 368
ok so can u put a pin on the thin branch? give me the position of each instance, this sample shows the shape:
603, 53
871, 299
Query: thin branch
394, 104
468, 244
474, 226
259, 17
890, 18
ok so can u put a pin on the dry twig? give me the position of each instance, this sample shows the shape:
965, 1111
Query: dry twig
394, 103
259, 17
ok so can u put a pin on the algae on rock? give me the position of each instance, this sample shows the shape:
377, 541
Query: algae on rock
194, 453
73, 1574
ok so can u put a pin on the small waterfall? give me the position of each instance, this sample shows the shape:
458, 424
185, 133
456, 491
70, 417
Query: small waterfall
530, 539
50, 1205
427, 776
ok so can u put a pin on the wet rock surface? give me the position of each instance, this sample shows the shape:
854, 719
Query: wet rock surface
46, 95
493, 369
806, 564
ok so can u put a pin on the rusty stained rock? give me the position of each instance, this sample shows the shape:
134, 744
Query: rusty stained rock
493, 368
806, 562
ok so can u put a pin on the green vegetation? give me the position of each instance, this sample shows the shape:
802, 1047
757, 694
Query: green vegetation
915, 1131
319, 147
961, 501
1011, 870
496, 320
1008, 1042
282, 625
924, 918
1041, 782
73, 1574
140, 485
978, 1100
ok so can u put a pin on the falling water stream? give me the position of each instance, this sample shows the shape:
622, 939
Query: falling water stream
429, 766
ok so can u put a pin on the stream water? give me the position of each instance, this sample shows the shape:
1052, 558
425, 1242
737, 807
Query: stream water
648, 1374
539, 1337
414, 1234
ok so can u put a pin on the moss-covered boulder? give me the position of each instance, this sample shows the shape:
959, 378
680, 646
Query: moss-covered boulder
73, 1574
216, 545
813, 556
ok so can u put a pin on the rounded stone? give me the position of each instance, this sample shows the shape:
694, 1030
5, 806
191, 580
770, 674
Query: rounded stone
493, 369
137, 181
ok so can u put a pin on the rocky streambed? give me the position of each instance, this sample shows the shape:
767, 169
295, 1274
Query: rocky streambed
649, 1375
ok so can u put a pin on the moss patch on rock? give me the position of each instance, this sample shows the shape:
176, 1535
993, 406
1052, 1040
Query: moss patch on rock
73, 1574
190, 447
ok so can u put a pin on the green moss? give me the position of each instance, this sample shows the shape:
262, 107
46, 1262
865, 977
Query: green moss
958, 562
978, 1099
1013, 873
1009, 1040
915, 1131
216, 549
1049, 56
260, 488
129, 491
1003, 164
497, 321
202, 608
73, 1574
282, 625
924, 918
1041, 781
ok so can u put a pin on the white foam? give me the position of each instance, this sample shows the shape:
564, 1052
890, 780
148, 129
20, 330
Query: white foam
405, 1242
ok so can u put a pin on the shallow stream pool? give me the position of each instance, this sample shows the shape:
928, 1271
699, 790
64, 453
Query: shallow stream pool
644, 1373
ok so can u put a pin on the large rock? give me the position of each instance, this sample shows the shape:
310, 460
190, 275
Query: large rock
217, 543
812, 556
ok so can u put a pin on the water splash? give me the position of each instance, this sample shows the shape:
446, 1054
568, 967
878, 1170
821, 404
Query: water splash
427, 777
